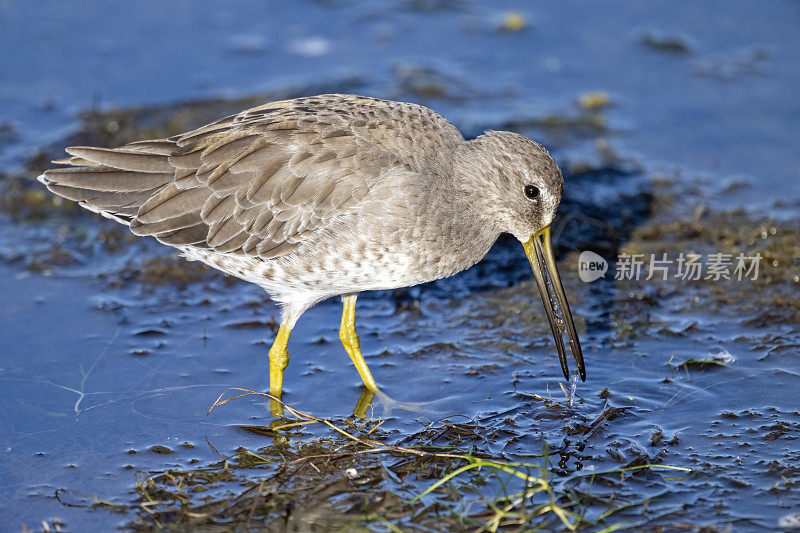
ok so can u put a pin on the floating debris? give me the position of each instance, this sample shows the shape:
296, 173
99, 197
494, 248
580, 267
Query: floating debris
595, 100
513, 22
720, 358
161, 450
673, 44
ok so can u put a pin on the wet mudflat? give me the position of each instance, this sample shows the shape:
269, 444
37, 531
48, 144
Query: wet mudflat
114, 350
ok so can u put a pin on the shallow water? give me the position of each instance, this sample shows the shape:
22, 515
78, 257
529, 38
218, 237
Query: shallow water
107, 377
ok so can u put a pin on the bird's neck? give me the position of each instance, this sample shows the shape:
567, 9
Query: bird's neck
472, 194
464, 217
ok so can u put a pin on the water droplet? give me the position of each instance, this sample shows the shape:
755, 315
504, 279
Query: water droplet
573, 385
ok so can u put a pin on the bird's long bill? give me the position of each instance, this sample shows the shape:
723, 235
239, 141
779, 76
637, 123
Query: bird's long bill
539, 250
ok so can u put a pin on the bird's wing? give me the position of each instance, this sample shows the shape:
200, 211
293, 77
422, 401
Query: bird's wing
260, 182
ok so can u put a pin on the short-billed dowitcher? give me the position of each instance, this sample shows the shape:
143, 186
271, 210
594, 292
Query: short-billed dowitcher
329, 196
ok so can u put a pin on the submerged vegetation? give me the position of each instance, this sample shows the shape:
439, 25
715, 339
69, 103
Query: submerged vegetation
354, 474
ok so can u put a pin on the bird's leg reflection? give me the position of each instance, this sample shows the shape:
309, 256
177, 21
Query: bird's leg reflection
364, 402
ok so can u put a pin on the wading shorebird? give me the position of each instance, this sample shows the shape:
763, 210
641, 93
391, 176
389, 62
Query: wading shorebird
328, 196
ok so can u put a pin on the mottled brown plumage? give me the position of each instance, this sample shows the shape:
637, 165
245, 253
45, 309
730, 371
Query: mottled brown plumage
322, 196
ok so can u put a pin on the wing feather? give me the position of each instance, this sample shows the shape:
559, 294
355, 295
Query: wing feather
262, 182
106, 179
132, 160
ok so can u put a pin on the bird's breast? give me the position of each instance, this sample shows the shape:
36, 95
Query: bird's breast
387, 253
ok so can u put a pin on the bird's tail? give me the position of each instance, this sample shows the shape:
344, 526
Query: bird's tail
113, 182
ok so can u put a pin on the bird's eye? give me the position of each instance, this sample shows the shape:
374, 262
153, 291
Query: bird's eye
532, 191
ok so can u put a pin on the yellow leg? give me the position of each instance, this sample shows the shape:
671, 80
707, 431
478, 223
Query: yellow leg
349, 337
278, 360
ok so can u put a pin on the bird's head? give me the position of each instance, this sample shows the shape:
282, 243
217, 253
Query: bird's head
521, 187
